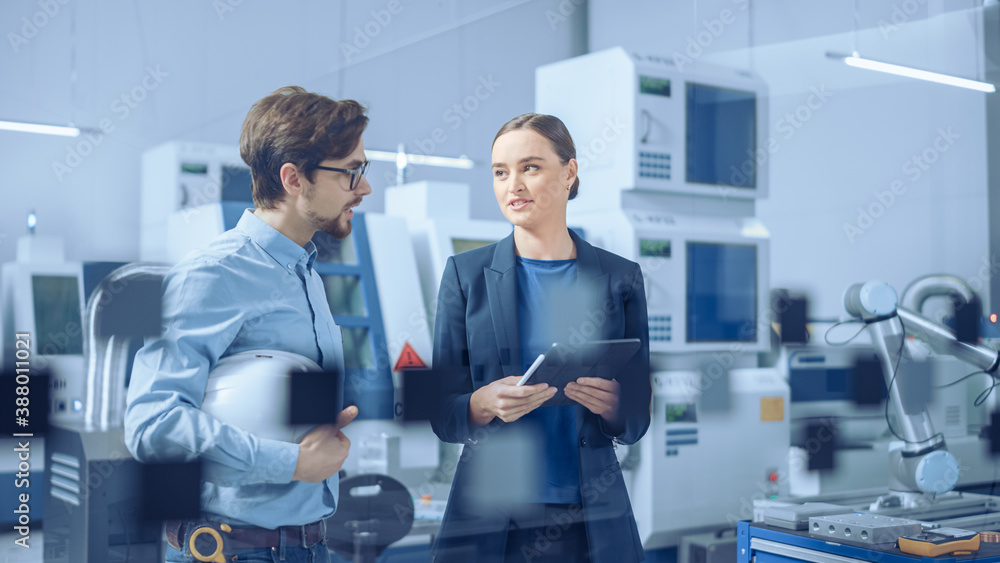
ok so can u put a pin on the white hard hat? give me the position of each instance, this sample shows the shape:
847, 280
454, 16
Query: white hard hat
250, 390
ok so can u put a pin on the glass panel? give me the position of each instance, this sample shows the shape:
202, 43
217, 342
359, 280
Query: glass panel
345, 295
358, 349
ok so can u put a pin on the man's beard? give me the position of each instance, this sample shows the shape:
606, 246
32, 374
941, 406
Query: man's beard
336, 227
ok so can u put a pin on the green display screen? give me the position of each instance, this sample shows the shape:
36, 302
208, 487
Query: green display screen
657, 248
655, 86
681, 413
194, 168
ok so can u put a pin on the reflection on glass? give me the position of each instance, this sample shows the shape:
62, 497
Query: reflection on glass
345, 295
334, 250
358, 349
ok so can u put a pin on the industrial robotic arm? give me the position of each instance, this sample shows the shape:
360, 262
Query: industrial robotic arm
923, 464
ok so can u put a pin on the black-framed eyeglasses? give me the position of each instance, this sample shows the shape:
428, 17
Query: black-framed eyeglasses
356, 174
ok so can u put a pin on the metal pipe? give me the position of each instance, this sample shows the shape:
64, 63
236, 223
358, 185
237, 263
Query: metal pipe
943, 341
915, 424
923, 288
107, 356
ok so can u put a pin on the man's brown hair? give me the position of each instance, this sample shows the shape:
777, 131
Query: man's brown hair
300, 127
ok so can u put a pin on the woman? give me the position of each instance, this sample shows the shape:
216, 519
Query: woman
537, 484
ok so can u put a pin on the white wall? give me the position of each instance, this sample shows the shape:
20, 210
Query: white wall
216, 58
854, 143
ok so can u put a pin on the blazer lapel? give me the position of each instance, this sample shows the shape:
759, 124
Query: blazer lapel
501, 289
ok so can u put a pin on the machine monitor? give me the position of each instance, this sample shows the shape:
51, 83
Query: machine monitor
237, 184
721, 292
649, 123
190, 193
706, 278
45, 301
720, 133
56, 301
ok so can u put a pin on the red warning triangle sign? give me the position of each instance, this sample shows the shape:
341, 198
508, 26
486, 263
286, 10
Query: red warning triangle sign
408, 358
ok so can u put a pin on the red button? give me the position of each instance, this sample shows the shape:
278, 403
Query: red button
773, 477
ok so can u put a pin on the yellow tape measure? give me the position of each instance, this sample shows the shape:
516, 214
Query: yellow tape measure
932, 543
216, 556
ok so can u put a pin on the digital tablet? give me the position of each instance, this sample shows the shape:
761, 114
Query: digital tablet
566, 362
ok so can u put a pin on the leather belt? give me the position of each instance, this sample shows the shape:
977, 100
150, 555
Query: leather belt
247, 537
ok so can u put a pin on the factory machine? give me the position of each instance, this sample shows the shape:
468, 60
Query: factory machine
72, 504
920, 513
671, 163
822, 380
437, 217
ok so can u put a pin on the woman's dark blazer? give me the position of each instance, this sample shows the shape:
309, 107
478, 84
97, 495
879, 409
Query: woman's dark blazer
476, 342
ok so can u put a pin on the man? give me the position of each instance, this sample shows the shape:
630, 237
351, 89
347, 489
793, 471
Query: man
254, 288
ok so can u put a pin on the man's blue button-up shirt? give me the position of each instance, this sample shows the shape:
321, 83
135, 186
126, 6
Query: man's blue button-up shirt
252, 288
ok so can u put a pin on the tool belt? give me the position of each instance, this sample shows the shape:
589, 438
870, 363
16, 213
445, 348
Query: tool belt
241, 537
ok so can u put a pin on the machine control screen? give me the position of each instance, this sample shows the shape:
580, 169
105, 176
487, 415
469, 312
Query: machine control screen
654, 86
654, 248
681, 412
721, 136
721, 292
57, 311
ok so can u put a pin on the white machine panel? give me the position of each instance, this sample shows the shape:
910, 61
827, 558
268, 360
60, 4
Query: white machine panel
179, 175
706, 278
701, 469
437, 216
642, 122
45, 300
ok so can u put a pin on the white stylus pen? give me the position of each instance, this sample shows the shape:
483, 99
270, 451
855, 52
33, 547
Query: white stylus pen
531, 369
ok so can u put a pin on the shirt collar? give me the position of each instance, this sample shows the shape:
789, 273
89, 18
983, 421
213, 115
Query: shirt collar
282, 249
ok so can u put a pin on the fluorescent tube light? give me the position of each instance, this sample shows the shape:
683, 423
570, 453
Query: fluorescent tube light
446, 161
910, 72
39, 128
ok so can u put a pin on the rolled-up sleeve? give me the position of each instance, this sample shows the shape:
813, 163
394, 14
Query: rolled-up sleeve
163, 419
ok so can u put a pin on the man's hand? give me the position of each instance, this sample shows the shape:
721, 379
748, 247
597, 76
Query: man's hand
504, 399
600, 396
323, 450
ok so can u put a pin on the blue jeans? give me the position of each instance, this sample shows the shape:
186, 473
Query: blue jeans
317, 553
